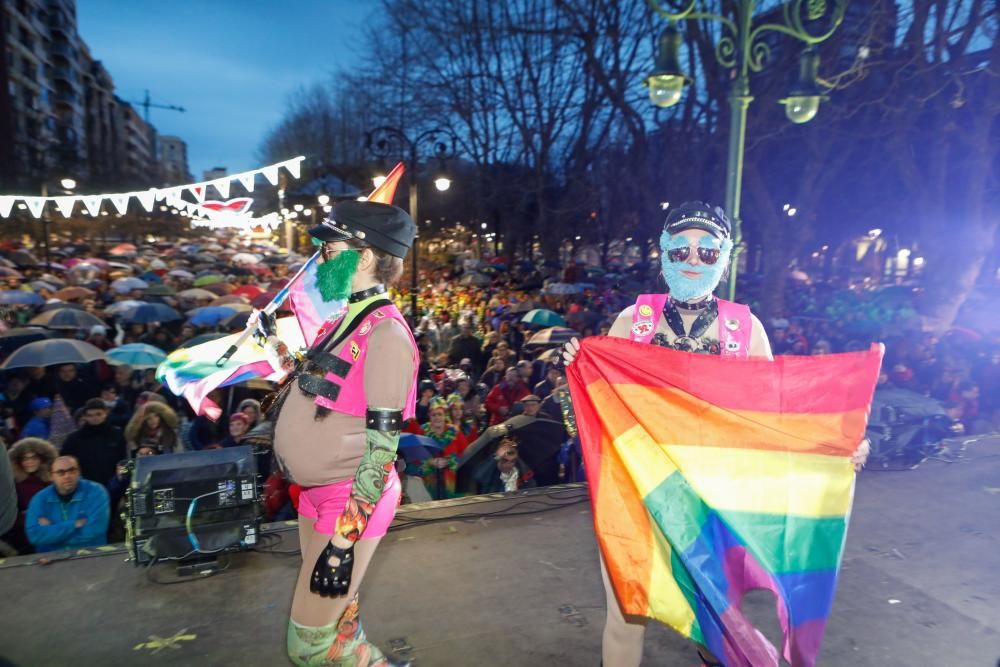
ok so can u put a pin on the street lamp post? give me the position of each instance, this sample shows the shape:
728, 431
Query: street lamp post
66, 186
385, 142
741, 49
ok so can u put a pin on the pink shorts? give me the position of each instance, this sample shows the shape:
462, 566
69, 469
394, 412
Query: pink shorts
326, 503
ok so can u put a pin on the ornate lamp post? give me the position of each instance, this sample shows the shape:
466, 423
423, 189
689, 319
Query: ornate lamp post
386, 142
741, 49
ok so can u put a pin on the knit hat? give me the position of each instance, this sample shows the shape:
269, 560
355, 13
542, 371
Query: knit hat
240, 417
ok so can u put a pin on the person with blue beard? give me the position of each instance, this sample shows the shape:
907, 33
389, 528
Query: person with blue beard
695, 248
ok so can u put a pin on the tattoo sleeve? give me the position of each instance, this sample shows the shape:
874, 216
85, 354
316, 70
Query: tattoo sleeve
369, 482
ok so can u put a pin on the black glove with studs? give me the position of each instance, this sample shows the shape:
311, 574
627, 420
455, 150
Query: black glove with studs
332, 581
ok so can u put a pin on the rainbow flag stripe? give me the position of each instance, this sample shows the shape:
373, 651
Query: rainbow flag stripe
711, 477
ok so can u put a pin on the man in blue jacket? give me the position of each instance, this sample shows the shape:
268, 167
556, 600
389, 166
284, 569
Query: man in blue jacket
72, 513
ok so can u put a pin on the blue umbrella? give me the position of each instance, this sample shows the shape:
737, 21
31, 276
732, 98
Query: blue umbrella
136, 355
19, 297
417, 448
66, 318
143, 313
543, 318
211, 316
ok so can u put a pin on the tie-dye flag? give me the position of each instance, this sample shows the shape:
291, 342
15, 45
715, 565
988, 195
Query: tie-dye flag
193, 372
711, 477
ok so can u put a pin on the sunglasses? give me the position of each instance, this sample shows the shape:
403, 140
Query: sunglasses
326, 252
706, 255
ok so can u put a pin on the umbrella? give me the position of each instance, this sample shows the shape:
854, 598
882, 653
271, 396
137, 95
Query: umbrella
236, 321
53, 352
126, 285
24, 258
278, 259
261, 301
220, 289
211, 316
550, 356
66, 318
160, 290
120, 306
181, 273
229, 299
70, 293
417, 448
196, 293
57, 305
123, 249
143, 313
562, 289
136, 355
244, 258
12, 339
249, 291
209, 279
539, 440
20, 297
203, 338
551, 337
477, 279
544, 318
7, 272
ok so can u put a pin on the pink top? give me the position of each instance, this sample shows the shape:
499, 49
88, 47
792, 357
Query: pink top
352, 399
734, 324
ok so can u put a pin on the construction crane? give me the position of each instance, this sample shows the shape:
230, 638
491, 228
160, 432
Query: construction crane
146, 105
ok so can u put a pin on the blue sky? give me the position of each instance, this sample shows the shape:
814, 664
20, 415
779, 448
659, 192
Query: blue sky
231, 64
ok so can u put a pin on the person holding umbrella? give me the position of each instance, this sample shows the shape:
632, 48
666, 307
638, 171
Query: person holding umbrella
505, 471
439, 471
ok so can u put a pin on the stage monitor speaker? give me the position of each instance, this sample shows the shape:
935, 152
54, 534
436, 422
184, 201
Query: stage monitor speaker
183, 506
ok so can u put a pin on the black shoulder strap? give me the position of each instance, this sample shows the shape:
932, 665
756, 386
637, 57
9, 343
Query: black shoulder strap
328, 344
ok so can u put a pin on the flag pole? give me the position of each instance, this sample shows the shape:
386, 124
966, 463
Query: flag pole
270, 309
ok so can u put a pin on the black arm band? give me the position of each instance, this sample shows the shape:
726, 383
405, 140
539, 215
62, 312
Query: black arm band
380, 419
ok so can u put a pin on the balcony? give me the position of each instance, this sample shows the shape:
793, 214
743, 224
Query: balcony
63, 73
64, 97
64, 50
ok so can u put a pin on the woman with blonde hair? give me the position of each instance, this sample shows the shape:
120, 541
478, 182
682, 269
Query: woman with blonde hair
31, 461
153, 425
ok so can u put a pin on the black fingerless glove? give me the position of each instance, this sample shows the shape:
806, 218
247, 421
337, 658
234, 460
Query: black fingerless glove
330, 581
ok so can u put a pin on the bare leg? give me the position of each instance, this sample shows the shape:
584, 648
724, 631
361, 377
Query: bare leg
311, 609
622, 641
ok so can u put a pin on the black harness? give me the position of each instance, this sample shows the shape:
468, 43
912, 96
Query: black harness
320, 360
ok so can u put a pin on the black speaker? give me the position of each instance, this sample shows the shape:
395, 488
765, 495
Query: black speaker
184, 506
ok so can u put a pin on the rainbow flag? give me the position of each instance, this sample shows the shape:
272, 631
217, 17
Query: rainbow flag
711, 477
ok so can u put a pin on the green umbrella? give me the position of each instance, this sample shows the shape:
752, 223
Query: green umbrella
210, 279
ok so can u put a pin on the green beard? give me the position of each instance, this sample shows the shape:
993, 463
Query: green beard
333, 276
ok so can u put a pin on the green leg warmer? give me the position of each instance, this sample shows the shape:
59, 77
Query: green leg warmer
342, 644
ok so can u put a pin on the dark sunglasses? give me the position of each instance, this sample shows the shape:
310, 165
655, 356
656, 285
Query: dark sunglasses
706, 255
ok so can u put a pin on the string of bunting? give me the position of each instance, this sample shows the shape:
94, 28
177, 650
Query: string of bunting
171, 196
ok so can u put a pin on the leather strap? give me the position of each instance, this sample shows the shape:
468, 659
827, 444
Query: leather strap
386, 421
331, 363
317, 386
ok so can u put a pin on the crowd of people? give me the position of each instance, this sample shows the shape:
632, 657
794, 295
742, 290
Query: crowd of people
489, 369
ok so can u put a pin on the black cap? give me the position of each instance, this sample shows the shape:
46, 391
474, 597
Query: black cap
698, 215
381, 226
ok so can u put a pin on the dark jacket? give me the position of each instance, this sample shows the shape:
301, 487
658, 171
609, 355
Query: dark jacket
488, 477
466, 347
98, 449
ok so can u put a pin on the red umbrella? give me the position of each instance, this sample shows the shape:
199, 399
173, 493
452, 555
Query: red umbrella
265, 298
249, 291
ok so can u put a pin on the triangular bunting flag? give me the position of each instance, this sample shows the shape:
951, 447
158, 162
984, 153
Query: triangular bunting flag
65, 205
36, 205
222, 186
247, 179
168, 193
120, 202
6, 205
294, 166
271, 173
198, 190
146, 198
93, 205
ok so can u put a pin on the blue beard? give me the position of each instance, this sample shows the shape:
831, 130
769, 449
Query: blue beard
686, 288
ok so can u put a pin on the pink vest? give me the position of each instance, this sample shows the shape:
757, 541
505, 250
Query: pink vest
351, 399
734, 324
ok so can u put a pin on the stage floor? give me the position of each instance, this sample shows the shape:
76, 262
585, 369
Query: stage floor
513, 580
